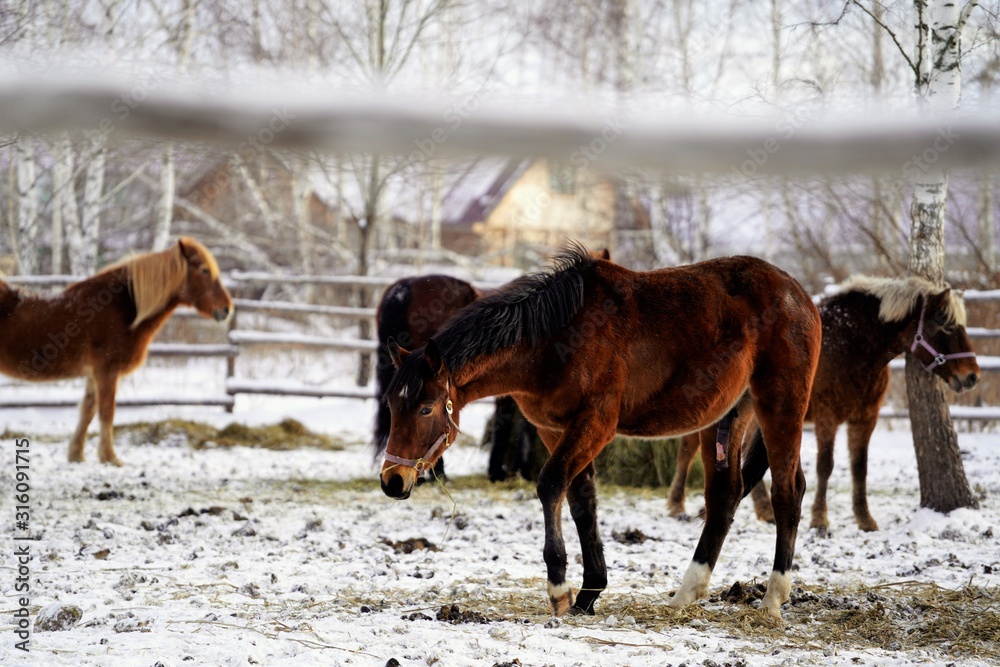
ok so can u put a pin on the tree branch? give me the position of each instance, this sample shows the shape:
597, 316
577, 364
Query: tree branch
888, 30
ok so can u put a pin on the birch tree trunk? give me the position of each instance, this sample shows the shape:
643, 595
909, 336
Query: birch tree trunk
60, 184
70, 211
943, 484
302, 191
987, 223
85, 262
168, 185
26, 238
366, 226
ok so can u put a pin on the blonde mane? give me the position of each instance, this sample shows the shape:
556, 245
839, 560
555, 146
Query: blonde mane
155, 277
899, 296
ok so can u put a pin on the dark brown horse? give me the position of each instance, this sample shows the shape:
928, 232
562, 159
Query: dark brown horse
590, 349
99, 328
866, 324
411, 311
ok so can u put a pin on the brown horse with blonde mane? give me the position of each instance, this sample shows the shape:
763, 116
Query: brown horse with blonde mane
589, 349
99, 328
866, 324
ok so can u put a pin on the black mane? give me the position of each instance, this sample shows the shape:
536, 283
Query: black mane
530, 309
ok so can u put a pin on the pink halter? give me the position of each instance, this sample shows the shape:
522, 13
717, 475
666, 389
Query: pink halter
939, 359
423, 462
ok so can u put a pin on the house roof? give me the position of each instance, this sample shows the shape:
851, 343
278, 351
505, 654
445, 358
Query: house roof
479, 188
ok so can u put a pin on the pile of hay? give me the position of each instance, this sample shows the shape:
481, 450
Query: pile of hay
644, 462
648, 462
287, 434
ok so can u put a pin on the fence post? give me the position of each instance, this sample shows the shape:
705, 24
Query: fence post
230, 361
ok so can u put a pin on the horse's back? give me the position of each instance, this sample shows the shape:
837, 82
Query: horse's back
697, 334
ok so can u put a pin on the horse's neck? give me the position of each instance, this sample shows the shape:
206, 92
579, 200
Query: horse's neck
153, 323
875, 341
490, 375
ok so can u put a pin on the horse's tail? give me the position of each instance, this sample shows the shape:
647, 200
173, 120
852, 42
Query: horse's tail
754, 461
390, 322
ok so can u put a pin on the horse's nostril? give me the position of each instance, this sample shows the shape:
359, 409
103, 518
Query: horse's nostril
394, 489
971, 380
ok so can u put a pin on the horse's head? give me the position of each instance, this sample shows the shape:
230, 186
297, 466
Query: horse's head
202, 287
424, 416
941, 343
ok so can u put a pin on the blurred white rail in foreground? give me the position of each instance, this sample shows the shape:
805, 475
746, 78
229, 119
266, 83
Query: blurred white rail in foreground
419, 128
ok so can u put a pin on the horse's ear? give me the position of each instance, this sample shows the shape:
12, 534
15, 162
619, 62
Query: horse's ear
939, 300
396, 353
432, 355
606, 255
187, 251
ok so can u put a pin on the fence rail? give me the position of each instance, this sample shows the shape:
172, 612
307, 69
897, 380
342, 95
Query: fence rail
683, 143
238, 339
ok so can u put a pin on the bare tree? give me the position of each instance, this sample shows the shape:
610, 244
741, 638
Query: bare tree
943, 484
26, 239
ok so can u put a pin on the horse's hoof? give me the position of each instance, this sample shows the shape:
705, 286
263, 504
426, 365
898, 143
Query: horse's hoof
75, 459
562, 603
774, 613
869, 526
821, 531
682, 516
114, 461
579, 611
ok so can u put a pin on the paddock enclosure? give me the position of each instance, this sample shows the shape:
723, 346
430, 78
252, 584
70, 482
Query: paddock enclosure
247, 526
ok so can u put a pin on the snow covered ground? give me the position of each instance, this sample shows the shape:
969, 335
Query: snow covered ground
248, 556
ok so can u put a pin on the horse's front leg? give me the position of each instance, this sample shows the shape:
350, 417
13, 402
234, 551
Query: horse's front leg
583, 506
107, 385
571, 459
858, 436
826, 433
723, 492
87, 408
551, 491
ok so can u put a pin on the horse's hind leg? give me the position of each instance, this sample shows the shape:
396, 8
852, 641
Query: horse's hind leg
107, 385
723, 492
685, 455
582, 499
782, 431
87, 407
858, 437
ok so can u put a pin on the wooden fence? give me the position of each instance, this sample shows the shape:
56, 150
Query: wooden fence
240, 339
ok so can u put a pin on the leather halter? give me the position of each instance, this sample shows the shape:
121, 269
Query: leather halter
423, 462
939, 359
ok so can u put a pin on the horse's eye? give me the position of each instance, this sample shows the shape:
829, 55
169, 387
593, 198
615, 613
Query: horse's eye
425, 411
205, 270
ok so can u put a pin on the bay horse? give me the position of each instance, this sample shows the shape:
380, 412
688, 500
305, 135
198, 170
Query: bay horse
99, 328
867, 323
410, 312
588, 349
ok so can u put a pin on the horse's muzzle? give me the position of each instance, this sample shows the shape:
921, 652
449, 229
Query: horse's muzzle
222, 314
961, 384
394, 488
